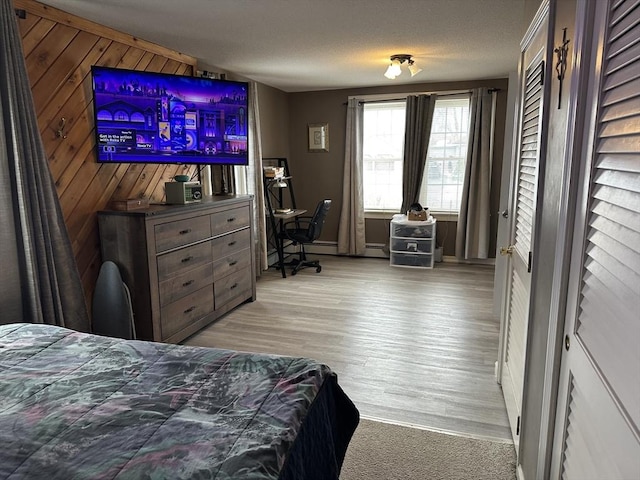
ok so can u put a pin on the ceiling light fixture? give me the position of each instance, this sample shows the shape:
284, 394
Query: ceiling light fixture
396, 61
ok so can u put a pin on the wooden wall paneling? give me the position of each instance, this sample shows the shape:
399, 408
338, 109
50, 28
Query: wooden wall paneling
35, 35
170, 67
131, 57
78, 118
81, 172
156, 64
48, 50
51, 13
125, 187
47, 113
100, 190
78, 112
145, 60
159, 177
141, 184
55, 77
59, 51
26, 24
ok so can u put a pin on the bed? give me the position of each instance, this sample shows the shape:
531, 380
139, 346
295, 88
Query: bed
79, 406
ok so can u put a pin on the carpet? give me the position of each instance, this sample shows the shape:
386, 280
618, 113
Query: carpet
384, 451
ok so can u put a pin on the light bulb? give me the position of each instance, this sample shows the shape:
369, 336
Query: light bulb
394, 70
414, 69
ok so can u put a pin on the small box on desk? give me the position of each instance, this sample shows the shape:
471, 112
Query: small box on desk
274, 172
130, 204
417, 216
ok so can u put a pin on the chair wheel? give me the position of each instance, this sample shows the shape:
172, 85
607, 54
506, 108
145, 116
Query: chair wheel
318, 270
293, 272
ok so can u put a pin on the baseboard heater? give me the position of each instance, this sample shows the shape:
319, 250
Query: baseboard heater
373, 250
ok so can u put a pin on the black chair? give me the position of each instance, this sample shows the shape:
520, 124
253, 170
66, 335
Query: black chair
304, 230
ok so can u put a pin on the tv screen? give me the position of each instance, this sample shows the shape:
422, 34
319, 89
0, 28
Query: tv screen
159, 118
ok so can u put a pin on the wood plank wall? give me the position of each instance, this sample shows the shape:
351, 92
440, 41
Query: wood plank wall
59, 51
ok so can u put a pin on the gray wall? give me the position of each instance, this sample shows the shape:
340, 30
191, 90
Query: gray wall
274, 121
319, 175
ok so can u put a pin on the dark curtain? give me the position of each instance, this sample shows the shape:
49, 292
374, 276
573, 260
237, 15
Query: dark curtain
472, 237
419, 118
351, 230
38, 274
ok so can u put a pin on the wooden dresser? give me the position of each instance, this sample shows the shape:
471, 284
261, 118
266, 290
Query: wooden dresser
185, 265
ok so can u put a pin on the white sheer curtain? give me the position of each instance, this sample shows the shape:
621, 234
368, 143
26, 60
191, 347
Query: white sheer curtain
472, 237
351, 231
39, 278
249, 180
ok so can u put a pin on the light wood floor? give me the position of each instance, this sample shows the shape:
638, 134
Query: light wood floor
409, 345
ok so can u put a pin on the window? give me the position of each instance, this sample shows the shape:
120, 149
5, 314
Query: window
441, 188
383, 144
382, 147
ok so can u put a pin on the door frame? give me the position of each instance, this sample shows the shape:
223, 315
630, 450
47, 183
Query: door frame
577, 118
543, 15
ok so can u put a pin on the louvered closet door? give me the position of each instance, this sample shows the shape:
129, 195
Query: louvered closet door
597, 424
524, 184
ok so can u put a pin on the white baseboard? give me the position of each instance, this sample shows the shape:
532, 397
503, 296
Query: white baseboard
376, 250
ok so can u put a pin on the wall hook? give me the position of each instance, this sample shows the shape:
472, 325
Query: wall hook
60, 132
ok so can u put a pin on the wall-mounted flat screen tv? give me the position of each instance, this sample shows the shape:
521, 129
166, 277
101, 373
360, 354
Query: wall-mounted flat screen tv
159, 118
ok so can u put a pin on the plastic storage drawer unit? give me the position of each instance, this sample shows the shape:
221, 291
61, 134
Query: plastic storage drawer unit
412, 242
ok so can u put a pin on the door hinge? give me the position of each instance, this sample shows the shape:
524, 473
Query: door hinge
518, 426
529, 262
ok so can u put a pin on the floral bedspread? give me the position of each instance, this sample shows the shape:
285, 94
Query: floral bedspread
81, 406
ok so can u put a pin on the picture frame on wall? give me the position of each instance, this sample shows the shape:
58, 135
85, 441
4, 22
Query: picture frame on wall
318, 137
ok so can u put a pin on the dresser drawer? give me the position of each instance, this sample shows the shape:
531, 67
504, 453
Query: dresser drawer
178, 286
182, 313
182, 232
231, 263
183, 260
229, 220
235, 285
230, 243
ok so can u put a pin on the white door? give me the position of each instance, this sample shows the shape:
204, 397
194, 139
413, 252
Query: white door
597, 429
524, 187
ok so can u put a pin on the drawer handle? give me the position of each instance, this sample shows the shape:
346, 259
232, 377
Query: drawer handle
231, 244
184, 232
186, 284
190, 309
233, 286
187, 259
232, 263
231, 219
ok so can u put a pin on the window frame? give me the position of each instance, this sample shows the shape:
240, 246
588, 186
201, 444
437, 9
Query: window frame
443, 215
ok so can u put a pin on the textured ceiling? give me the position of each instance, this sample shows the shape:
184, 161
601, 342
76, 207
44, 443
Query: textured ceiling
302, 45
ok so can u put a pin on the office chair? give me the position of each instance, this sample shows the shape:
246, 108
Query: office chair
304, 230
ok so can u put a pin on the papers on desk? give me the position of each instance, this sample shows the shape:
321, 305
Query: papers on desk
283, 210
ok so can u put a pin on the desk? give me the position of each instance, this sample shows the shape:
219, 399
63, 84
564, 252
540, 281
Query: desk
292, 214
278, 229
